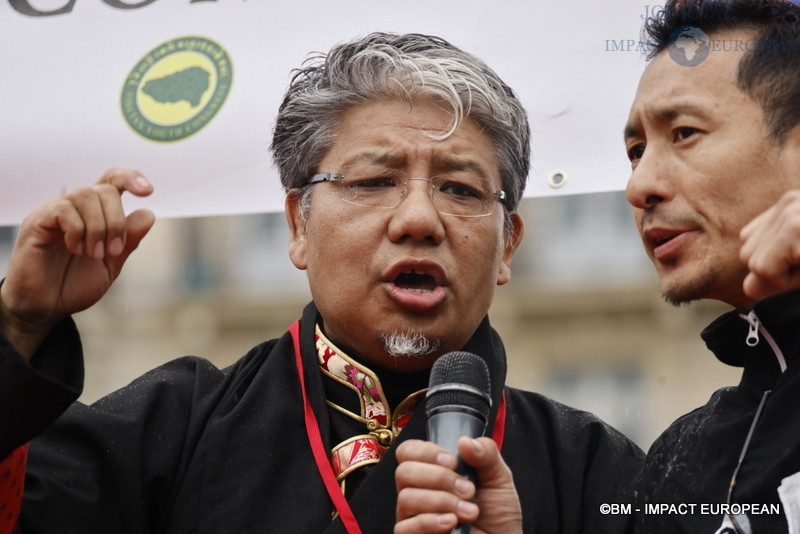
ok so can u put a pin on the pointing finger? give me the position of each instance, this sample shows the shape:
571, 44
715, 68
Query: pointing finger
127, 180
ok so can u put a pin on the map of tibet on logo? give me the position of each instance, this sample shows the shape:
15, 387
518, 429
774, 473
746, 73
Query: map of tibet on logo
189, 85
176, 89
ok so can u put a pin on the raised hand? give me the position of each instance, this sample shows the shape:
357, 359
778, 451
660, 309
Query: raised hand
68, 253
771, 248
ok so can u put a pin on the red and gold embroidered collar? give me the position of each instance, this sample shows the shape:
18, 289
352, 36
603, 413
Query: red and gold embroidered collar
381, 424
335, 491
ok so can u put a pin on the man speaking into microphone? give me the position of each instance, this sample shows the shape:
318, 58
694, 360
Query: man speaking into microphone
404, 159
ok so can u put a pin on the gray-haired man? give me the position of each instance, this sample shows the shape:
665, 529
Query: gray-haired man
404, 159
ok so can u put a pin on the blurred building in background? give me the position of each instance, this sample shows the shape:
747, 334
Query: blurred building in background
582, 318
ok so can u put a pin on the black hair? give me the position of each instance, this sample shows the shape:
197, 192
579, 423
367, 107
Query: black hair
769, 71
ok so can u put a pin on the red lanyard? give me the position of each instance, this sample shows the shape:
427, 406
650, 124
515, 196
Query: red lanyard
321, 455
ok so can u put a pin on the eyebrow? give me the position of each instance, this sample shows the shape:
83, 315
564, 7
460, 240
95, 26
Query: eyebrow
375, 158
670, 113
454, 163
665, 114
389, 158
630, 131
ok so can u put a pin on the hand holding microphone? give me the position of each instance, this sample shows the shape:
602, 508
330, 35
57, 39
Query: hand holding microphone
433, 496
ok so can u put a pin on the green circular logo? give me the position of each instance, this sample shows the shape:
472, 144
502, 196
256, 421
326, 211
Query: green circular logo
176, 89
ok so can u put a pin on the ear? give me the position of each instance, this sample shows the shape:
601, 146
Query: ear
512, 241
298, 244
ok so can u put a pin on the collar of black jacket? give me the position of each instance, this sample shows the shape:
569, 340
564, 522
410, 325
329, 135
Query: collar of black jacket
780, 317
485, 342
373, 504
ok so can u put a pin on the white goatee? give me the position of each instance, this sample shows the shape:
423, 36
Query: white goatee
409, 343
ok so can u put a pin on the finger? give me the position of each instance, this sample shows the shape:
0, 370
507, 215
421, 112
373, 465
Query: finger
115, 220
497, 494
750, 237
425, 451
127, 180
483, 455
427, 524
412, 474
139, 224
88, 205
53, 222
763, 229
758, 288
773, 253
772, 268
415, 501
759, 222
760, 235
773, 232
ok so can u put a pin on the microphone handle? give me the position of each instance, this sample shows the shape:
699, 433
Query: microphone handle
444, 429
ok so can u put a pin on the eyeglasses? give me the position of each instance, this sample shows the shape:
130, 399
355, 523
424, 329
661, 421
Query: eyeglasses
449, 195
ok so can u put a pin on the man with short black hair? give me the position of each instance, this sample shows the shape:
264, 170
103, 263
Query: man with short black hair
715, 150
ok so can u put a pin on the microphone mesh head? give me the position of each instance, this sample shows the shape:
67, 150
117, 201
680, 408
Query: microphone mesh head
462, 368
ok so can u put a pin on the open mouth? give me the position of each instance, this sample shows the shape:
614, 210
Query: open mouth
656, 237
417, 282
662, 240
667, 243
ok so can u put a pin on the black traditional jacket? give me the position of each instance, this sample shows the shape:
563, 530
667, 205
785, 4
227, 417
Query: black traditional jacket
189, 448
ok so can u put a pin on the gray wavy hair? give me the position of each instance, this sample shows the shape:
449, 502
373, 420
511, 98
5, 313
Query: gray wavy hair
384, 66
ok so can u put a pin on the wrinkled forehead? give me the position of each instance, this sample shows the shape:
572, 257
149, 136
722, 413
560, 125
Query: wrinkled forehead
668, 88
389, 131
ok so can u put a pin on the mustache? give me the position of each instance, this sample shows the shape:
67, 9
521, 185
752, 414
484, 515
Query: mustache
658, 217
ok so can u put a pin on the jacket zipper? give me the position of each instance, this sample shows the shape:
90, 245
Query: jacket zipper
752, 340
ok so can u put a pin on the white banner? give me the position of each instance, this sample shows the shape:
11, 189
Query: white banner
86, 85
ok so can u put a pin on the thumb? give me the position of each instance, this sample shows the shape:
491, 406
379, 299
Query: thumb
139, 224
759, 287
483, 455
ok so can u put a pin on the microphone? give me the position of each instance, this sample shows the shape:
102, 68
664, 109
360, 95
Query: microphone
458, 403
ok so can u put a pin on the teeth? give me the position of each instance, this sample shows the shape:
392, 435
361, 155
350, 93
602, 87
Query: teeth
416, 281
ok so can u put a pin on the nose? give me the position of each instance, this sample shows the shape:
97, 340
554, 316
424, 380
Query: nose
650, 183
416, 218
